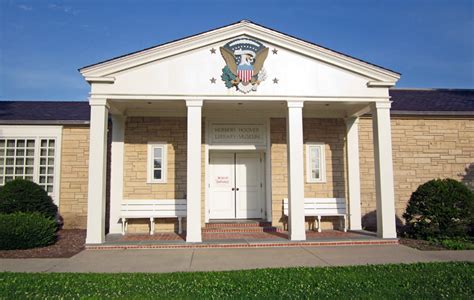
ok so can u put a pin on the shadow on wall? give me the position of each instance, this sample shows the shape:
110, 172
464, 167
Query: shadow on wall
468, 177
369, 221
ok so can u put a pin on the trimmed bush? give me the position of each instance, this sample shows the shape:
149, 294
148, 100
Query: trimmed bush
22, 195
26, 230
440, 208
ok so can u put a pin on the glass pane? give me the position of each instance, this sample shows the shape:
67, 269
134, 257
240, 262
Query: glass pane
49, 189
29, 171
8, 179
43, 152
30, 143
30, 161
50, 170
20, 152
43, 161
44, 143
51, 152
51, 161
20, 161
1, 170
9, 170
42, 179
2, 152
157, 164
51, 143
157, 174
9, 161
50, 179
315, 174
19, 170
10, 152
42, 170
20, 143
11, 143
30, 152
30, 178
2, 161
157, 152
2, 143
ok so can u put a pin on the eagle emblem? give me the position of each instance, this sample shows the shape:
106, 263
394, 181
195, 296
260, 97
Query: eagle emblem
244, 60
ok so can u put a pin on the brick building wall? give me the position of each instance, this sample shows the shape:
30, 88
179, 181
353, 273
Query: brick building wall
74, 176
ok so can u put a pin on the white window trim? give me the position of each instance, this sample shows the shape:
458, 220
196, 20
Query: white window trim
164, 164
322, 151
37, 133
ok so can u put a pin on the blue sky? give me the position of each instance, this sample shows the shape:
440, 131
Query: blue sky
43, 43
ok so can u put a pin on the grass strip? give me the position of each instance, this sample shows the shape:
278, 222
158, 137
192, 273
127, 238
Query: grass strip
398, 281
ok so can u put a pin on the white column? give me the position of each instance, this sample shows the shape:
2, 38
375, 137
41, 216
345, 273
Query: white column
296, 220
193, 218
116, 172
97, 172
353, 173
384, 170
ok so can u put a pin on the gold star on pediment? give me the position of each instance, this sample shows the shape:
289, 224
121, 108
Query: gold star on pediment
275, 51
275, 80
213, 51
212, 80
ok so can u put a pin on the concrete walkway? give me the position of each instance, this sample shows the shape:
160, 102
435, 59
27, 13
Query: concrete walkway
184, 260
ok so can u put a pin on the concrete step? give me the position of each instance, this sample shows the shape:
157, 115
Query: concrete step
245, 224
242, 229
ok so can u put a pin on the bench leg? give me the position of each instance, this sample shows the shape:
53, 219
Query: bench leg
180, 228
152, 226
345, 224
319, 223
123, 225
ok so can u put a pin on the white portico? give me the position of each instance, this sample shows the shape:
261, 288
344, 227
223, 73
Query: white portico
225, 120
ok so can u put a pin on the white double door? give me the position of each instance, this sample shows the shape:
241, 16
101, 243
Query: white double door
236, 185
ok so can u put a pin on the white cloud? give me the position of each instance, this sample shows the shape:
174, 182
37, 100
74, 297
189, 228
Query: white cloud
65, 9
25, 7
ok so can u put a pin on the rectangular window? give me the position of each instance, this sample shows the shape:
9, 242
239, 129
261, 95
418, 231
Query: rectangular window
30, 159
157, 163
315, 163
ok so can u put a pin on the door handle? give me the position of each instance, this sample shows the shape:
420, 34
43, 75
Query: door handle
235, 189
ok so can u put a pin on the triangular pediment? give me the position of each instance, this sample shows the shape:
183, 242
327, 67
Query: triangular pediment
207, 63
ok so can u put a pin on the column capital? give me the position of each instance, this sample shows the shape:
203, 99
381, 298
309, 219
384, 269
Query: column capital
194, 103
295, 104
98, 101
381, 105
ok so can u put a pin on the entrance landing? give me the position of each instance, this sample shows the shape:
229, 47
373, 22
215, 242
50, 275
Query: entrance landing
240, 235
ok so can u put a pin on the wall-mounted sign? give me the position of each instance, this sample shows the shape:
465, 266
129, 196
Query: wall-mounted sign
237, 134
244, 59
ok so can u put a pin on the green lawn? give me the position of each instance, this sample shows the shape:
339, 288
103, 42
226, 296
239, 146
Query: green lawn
426, 280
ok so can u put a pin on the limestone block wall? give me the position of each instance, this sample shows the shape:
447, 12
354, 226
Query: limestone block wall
331, 132
139, 131
74, 176
423, 149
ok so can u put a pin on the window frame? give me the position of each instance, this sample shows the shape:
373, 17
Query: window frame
37, 133
150, 162
322, 163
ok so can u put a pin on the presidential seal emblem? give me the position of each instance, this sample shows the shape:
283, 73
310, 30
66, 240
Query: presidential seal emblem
244, 60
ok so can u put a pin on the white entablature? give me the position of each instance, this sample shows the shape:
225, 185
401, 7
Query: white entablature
188, 68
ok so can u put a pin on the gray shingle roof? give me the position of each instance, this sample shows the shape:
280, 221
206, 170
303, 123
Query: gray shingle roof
405, 101
45, 112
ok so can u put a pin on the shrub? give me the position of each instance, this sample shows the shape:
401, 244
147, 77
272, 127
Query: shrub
22, 195
440, 208
26, 230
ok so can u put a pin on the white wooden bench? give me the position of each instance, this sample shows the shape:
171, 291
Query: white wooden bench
322, 207
152, 209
